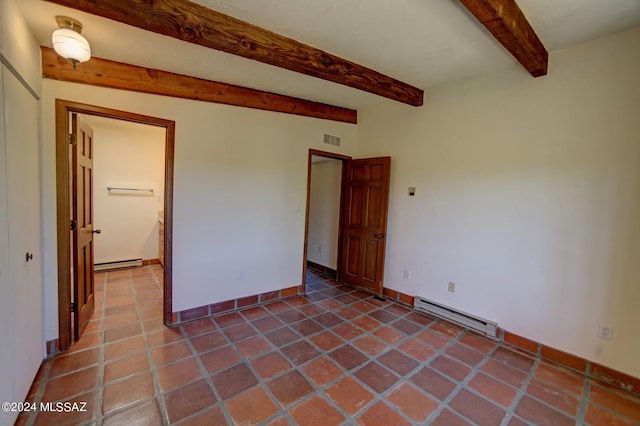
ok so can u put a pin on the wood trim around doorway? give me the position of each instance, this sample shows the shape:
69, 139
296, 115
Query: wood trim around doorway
63, 200
344, 159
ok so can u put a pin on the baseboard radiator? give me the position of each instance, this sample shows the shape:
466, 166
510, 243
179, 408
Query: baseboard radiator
108, 266
481, 325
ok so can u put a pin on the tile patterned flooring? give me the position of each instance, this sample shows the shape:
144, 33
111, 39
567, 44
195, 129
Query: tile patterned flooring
336, 356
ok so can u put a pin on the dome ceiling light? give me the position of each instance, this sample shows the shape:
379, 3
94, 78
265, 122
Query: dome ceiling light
69, 43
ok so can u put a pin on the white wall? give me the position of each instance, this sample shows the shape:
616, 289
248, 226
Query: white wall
126, 155
19, 50
239, 192
528, 198
324, 212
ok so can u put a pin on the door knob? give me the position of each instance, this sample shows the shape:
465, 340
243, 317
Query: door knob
29, 256
96, 231
379, 235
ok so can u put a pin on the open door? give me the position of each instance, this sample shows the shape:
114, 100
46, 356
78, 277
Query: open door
82, 223
365, 223
67, 197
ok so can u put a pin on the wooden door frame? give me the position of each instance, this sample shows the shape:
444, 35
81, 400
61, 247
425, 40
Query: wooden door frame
344, 159
63, 200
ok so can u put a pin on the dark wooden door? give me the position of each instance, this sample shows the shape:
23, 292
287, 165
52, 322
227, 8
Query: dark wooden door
82, 225
365, 223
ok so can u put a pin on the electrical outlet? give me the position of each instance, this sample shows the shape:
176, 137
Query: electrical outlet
452, 287
240, 276
407, 274
605, 331
320, 248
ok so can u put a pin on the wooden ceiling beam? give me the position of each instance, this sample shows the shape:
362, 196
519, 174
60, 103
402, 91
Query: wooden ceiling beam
116, 75
505, 20
194, 23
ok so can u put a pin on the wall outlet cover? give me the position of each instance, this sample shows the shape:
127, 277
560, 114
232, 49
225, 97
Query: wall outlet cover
605, 331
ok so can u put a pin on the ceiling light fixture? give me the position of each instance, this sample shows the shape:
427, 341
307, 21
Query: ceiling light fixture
68, 42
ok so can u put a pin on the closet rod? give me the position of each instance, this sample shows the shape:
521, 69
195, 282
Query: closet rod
109, 188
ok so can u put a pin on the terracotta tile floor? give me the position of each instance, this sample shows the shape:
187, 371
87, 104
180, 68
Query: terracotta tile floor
337, 356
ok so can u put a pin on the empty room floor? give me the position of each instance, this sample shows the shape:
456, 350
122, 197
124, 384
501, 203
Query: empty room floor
336, 356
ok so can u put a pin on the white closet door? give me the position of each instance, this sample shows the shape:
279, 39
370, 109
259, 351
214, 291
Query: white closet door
6, 289
21, 140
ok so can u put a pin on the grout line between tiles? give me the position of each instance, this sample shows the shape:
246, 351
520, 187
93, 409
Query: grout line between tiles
101, 356
282, 411
351, 373
207, 377
522, 391
584, 399
152, 367
320, 293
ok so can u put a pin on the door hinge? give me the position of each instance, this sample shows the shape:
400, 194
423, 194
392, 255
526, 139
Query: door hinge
74, 225
74, 307
73, 139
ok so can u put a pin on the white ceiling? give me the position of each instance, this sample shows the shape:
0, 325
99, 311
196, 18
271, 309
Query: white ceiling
421, 42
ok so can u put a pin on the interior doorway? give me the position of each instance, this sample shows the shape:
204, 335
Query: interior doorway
66, 196
128, 192
324, 215
362, 222
325, 203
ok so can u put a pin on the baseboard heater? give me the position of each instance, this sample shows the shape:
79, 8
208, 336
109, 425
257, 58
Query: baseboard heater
119, 264
481, 325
